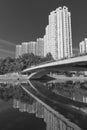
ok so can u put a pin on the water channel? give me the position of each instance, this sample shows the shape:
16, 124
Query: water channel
19, 110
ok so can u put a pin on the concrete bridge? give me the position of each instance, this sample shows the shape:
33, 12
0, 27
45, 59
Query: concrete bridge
71, 64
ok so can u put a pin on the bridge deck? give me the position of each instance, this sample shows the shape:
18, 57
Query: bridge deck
74, 60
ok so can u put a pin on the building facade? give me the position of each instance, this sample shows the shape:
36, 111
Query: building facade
83, 46
18, 51
40, 47
35, 47
58, 34
46, 39
24, 47
32, 47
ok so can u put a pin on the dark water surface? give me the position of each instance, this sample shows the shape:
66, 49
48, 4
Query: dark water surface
13, 119
16, 110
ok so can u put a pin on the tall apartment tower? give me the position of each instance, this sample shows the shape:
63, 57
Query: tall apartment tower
32, 47
60, 33
83, 46
18, 51
46, 39
40, 47
58, 36
85, 40
53, 34
24, 47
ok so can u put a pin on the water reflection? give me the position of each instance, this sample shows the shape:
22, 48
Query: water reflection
64, 118
76, 91
11, 118
34, 107
52, 121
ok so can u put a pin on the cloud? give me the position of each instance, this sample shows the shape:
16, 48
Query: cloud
7, 45
6, 53
6, 48
7, 42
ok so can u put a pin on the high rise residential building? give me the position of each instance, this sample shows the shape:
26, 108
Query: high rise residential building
70, 35
18, 51
85, 40
35, 47
46, 41
57, 39
32, 47
24, 47
83, 46
58, 36
29, 47
53, 34
40, 47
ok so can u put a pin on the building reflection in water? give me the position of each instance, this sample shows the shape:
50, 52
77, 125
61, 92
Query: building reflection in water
79, 98
52, 121
25, 103
69, 89
84, 99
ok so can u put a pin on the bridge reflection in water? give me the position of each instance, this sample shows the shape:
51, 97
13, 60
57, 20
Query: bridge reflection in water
53, 121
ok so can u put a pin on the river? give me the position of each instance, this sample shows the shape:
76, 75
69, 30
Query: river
18, 110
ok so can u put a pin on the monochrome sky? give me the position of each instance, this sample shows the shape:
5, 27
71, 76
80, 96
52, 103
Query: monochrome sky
25, 20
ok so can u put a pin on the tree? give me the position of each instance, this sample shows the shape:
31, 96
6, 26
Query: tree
9, 64
49, 56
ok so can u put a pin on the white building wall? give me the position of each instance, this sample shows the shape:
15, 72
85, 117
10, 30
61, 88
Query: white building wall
40, 47
59, 32
32, 47
52, 36
66, 31
18, 51
48, 39
24, 47
85, 40
70, 34
45, 43
82, 47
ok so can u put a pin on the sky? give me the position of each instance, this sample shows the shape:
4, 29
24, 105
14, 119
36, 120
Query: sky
25, 20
